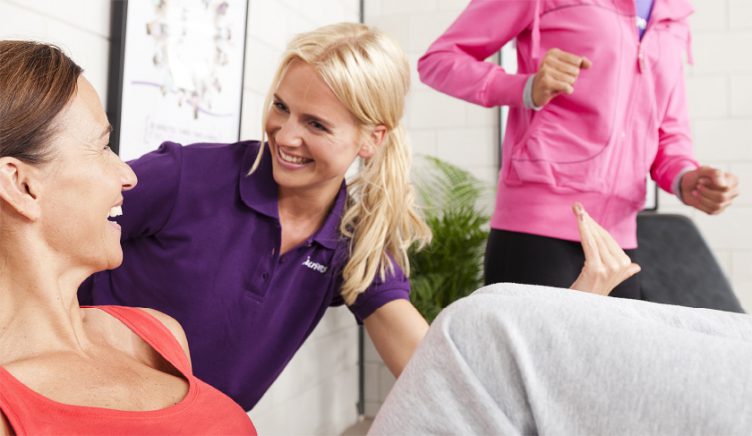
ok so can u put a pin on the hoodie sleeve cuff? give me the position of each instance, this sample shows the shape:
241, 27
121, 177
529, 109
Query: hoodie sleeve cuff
676, 184
527, 94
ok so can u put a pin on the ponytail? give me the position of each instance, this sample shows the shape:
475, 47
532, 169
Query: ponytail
381, 220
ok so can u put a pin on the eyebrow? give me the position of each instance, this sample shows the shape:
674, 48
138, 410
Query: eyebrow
323, 121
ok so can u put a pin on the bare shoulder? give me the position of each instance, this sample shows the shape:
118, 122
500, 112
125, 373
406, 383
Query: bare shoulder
5, 429
173, 326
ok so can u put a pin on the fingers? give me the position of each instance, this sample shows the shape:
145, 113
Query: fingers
570, 58
710, 205
606, 264
565, 68
557, 74
632, 270
601, 244
589, 245
715, 192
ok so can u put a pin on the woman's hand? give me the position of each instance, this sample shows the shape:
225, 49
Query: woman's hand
709, 189
557, 73
606, 264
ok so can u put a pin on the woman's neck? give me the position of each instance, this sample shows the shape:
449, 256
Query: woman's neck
302, 213
38, 304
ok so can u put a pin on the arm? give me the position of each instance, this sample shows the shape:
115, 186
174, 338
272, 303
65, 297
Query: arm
455, 63
147, 207
396, 329
705, 188
674, 144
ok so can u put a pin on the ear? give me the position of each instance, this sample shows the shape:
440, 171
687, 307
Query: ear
375, 138
17, 189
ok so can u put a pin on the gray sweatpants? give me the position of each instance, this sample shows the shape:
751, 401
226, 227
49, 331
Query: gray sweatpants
517, 359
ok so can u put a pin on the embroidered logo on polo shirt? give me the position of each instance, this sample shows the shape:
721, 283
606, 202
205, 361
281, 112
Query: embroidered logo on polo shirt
315, 265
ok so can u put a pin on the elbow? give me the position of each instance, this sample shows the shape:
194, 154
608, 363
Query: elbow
426, 65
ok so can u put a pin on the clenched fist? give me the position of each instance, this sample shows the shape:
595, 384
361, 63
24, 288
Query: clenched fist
557, 74
709, 189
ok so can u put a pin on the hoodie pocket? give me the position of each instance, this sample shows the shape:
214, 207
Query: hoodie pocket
572, 132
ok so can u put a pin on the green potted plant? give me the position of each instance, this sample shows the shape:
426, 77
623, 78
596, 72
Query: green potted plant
451, 267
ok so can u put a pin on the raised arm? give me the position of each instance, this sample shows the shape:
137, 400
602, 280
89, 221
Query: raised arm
455, 62
147, 207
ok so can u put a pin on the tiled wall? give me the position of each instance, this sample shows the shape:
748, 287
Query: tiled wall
317, 393
84, 35
720, 101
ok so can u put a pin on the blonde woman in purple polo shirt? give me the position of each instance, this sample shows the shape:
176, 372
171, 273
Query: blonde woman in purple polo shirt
248, 244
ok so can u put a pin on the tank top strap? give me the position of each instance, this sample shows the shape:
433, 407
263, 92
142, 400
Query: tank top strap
154, 333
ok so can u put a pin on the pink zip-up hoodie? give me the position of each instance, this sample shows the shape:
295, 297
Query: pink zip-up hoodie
626, 118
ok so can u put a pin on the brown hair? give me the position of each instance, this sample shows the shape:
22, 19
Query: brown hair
37, 81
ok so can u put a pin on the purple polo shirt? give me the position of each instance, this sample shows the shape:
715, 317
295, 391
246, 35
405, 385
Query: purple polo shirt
201, 243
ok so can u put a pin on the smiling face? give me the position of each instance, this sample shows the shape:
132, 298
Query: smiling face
313, 138
83, 185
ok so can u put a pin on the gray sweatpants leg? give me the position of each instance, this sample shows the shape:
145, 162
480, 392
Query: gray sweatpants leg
516, 359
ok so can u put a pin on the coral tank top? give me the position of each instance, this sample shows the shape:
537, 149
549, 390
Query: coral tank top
204, 409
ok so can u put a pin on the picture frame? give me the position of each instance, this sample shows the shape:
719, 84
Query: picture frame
176, 72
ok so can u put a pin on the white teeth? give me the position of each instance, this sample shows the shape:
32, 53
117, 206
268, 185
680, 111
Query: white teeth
115, 211
292, 159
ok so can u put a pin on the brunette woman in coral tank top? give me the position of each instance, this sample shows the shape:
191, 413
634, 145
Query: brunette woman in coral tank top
65, 369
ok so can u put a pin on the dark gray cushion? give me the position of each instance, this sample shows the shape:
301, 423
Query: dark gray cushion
677, 265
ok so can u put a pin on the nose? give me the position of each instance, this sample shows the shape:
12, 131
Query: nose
288, 134
127, 177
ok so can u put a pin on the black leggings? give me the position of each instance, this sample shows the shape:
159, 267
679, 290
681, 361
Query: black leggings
538, 260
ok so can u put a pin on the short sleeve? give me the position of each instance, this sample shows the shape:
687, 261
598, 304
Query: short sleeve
394, 287
148, 206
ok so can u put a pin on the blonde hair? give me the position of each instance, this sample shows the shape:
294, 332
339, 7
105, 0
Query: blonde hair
370, 75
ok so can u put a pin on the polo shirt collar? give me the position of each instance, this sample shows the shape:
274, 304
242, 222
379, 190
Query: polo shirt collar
259, 192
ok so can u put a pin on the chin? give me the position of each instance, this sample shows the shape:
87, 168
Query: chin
113, 261
284, 180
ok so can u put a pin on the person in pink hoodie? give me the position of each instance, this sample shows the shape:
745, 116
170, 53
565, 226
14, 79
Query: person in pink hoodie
597, 104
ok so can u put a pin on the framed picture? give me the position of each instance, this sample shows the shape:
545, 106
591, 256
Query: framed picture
507, 58
176, 72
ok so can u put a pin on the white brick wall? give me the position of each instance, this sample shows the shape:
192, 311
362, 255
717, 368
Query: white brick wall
319, 388
720, 103
84, 34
